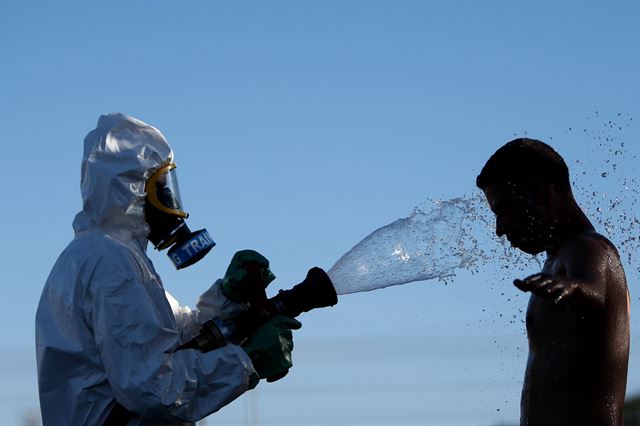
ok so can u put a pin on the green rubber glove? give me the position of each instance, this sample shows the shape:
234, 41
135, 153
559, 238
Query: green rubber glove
270, 347
247, 276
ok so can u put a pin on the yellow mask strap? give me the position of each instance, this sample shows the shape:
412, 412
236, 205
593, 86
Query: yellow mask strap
153, 196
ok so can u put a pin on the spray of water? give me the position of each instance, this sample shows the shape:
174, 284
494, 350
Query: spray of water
608, 189
427, 244
433, 242
438, 239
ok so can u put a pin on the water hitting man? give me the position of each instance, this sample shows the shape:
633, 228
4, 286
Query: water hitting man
578, 313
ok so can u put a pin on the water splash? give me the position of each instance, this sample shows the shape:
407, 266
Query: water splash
433, 242
607, 189
427, 244
436, 240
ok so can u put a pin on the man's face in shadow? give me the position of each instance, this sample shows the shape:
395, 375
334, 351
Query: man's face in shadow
521, 216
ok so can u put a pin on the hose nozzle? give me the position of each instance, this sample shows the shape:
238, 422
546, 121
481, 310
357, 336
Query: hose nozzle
316, 291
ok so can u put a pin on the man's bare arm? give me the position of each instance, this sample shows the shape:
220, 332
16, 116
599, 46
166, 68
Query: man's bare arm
586, 262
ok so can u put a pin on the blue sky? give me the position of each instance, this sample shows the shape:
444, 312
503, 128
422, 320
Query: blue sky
299, 128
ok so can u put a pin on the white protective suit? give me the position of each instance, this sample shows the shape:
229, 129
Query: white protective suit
105, 321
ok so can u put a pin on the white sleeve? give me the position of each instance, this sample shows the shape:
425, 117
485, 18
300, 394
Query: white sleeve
134, 330
211, 304
214, 304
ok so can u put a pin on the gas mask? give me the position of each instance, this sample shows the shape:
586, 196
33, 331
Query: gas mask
166, 219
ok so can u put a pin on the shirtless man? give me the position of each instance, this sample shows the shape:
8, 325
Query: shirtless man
578, 314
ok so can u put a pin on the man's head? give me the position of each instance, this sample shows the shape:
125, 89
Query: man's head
526, 183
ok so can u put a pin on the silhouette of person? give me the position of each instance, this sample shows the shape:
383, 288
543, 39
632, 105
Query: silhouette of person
578, 314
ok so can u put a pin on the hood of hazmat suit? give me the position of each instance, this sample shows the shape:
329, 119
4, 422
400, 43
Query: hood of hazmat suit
105, 324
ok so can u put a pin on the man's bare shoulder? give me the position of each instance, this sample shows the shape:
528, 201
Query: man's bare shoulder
590, 255
588, 244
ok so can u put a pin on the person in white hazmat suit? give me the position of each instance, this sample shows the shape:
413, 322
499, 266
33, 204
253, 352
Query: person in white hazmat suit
105, 326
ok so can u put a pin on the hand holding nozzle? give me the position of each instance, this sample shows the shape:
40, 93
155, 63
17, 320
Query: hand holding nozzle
316, 291
270, 347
